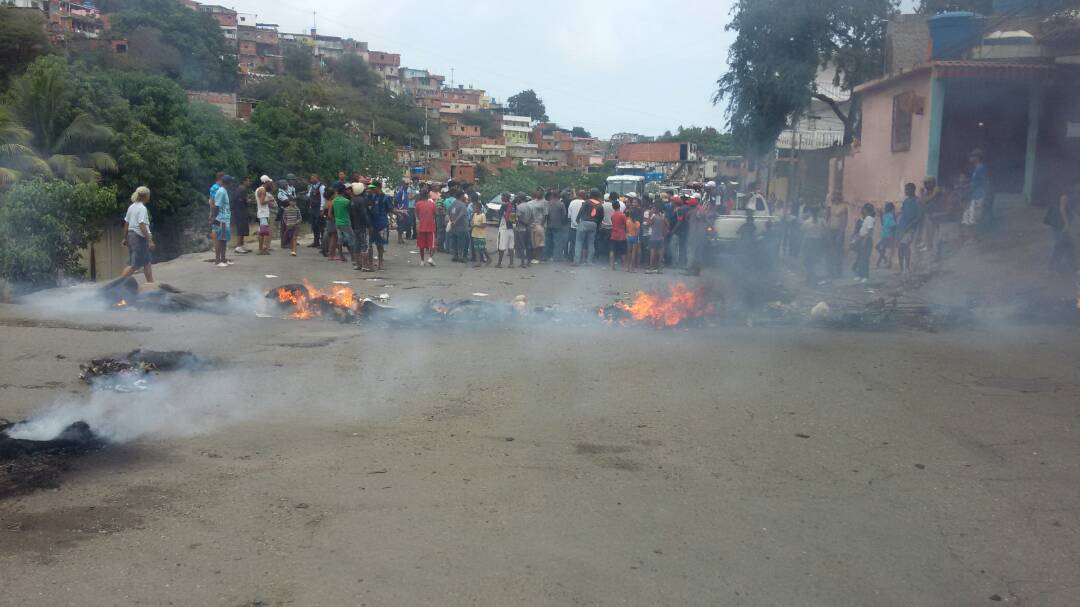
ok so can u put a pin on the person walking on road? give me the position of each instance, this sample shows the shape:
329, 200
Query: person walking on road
137, 236
425, 229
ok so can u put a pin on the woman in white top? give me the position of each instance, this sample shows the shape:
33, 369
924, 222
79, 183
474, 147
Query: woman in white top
264, 201
864, 243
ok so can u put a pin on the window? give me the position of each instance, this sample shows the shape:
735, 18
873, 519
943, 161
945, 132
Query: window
903, 108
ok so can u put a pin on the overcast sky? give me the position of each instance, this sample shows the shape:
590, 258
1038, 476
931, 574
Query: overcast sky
641, 66
631, 65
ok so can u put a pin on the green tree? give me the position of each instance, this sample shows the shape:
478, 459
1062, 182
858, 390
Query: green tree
16, 156
211, 62
299, 64
527, 103
489, 126
778, 50
71, 142
22, 39
579, 131
44, 224
355, 72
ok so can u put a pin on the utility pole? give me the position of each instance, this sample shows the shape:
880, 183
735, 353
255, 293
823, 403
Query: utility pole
451, 77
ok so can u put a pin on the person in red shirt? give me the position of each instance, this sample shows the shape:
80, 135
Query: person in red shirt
618, 233
425, 229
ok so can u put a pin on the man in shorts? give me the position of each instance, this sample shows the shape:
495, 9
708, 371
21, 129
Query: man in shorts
137, 236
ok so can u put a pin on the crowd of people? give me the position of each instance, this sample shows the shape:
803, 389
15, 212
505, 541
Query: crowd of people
351, 220
930, 220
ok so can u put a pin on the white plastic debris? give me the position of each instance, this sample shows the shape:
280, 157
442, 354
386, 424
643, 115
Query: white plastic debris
341, 282
820, 310
272, 276
479, 294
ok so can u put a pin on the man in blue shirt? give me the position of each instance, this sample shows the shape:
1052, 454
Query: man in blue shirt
380, 208
219, 196
980, 193
908, 227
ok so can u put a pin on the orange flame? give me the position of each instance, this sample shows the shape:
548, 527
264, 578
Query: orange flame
653, 308
120, 304
338, 296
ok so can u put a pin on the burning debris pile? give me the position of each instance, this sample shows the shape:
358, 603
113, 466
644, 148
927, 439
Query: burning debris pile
76, 438
125, 293
339, 302
27, 464
681, 305
128, 373
882, 314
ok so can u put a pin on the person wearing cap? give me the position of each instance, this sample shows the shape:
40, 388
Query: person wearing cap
137, 237
264, 201
222, 217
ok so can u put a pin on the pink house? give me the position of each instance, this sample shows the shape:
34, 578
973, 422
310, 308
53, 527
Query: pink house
1018, 102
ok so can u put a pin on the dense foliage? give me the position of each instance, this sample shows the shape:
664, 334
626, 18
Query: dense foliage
528, 179
527, 103
44, 224
209, 64
779, 48
22, 39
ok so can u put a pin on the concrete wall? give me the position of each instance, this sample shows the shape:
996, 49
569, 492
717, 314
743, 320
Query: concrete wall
873, 172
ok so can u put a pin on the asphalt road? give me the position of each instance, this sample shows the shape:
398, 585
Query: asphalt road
320, 464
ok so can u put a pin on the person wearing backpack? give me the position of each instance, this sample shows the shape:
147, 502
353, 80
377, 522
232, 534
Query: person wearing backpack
589, 218
1060, 218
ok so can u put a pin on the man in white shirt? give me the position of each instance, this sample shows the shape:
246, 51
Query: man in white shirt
572, 213
137, 236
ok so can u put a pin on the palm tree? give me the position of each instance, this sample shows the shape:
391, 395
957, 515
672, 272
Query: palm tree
16, 155
67, 138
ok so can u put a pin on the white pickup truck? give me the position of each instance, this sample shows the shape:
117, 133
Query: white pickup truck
726, 227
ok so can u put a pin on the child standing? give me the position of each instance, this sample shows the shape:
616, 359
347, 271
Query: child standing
292, 218
479, 236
